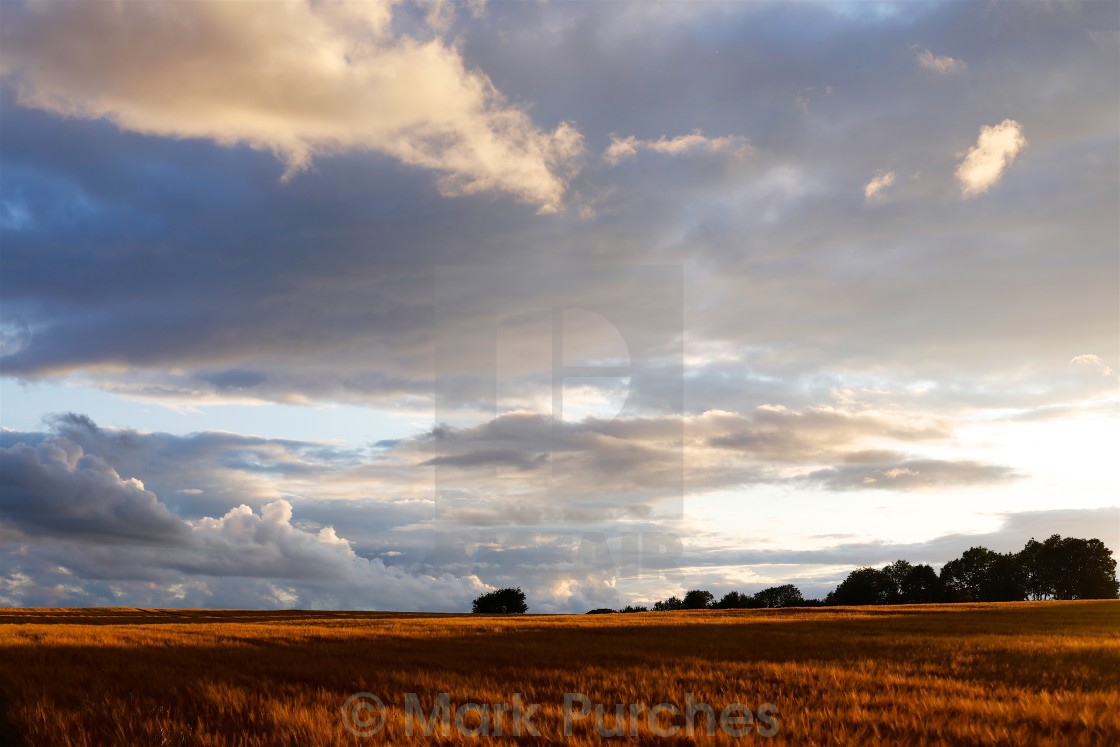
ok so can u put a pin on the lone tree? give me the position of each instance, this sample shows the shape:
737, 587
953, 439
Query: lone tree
502, 601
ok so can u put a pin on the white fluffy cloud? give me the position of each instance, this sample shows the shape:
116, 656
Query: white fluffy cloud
297, 78
878, 185
994, 151
622, 148
940, 64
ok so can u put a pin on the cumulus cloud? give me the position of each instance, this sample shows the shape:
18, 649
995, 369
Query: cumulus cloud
1093, 361
56, 488
278, 546
986, 161
298, 78
878, 185
242, 559
940, 64
206, 471
68, 516
620, 149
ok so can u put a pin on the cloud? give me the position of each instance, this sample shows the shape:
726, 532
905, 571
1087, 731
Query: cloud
210, 471
994, 151
620, 149
300, 79
241, 559
489, 458
495, 532
942, 65
918, 474
878, 185
55, 488
1092, 360
513, 467
350, 326
68, 515
774, 433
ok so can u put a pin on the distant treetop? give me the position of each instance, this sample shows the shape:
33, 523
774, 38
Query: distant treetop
502, 601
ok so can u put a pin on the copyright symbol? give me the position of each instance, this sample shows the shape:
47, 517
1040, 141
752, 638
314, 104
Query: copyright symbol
363, 714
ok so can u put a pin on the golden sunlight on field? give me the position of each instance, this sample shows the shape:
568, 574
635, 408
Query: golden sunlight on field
1038, 673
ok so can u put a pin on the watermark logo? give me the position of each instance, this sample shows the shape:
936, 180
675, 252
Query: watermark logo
548, 348
364, 715
471, 719
661, 719
543, 378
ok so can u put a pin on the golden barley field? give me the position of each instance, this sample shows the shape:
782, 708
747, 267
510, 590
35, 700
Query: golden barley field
1033, 673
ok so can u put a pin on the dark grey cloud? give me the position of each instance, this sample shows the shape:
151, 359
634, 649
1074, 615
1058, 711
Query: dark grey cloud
56, 489
202, 473
487, 458
68, 517
306, 288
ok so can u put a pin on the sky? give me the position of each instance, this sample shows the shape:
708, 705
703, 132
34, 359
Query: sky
384, 305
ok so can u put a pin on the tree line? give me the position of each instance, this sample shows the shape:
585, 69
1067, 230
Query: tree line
1058, 568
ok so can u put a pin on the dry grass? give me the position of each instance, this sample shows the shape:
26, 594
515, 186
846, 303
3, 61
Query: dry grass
1037, 673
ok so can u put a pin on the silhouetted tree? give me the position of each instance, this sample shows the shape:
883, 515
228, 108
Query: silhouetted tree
863, 586
635, 608
897, 571
963, 577
1005, 580
1089, 569
698, 599
507, 601
733, 600
920, 585
786, 595
983, 575
1068, 568
1040, 567
602, 611
668, 605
